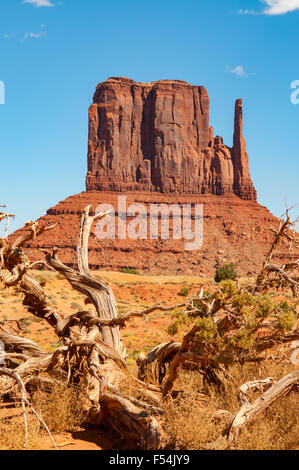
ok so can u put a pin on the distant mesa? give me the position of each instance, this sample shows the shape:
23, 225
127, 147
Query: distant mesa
153, 142
157, 137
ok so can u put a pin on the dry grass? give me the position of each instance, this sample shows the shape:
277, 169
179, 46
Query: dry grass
62, 410
275, 429
191, 420
12, 434
192, 423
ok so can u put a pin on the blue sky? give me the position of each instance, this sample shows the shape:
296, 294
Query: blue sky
53, 53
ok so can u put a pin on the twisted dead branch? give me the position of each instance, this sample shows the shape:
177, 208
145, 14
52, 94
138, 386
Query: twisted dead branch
4, 216
153, 367
286, 276
249, 411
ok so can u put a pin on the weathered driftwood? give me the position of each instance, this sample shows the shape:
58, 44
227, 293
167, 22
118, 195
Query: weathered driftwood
92, 355
249, 411
21, 345
30, 369
152, 368
131, 421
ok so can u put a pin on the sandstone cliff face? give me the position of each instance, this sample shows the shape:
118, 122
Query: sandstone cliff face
156, 137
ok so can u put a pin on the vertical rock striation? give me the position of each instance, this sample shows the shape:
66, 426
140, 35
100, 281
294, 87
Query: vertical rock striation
242, 181
156, 137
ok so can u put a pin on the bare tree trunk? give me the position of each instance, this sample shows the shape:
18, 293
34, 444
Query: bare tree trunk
101, 295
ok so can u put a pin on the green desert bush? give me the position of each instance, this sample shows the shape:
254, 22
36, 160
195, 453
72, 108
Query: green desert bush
129, 271
228, 271
184, 291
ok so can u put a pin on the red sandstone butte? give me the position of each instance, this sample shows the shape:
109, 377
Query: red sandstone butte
157, 137
153, 143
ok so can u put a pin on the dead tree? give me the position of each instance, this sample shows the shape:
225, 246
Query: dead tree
153, 367
92, 354
287, 275
220, 333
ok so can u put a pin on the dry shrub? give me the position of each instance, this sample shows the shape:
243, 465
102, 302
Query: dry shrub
12, 433
192, 420
61, 409
275, 429
191, 427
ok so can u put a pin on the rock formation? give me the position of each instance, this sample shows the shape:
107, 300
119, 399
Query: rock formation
154, 143
156, 137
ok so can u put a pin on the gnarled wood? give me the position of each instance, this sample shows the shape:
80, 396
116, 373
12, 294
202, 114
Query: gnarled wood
100, 294
93, 352
249, 411
127, 420
152, 368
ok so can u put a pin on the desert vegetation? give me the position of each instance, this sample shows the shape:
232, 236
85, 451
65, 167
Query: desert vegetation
228, 271
224, 374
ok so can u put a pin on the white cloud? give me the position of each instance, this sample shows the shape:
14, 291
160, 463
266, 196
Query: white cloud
238, 70
248, 12
8, 36
40, 3
279, 7
31, 35
274, 7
